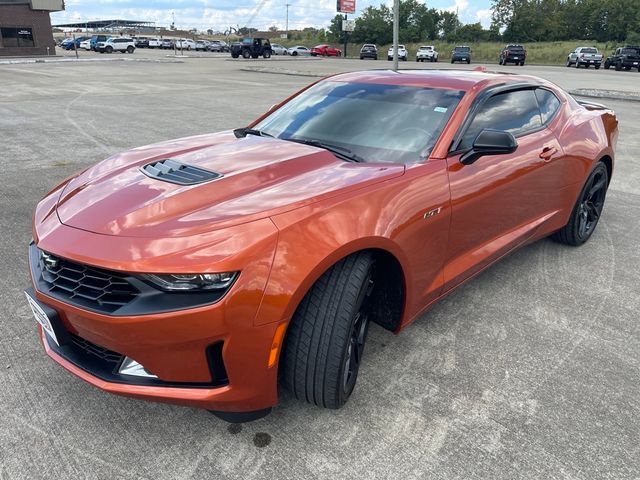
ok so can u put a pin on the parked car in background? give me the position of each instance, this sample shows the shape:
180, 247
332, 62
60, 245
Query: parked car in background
427, 53
369, 50
278, 49
141, 42
218, 46
402, 53
117, 44
155, 42
624, 57
461, 53
298, 50
202, 45
325, 51
515, 54
251, 47
586, 56
85, 44
185, 44
70, 43
167, 43
95, 39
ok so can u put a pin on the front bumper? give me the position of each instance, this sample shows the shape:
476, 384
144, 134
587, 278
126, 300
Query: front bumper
173, 344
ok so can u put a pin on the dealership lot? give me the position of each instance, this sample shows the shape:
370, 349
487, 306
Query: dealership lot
532, 370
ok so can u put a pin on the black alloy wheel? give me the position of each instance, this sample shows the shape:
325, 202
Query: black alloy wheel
588, 209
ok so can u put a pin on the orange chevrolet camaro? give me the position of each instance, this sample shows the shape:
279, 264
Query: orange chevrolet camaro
208, 270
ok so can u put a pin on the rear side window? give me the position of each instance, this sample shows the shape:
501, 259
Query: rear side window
516, 112
548, 103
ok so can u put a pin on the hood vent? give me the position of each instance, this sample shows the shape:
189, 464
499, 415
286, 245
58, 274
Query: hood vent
172, 171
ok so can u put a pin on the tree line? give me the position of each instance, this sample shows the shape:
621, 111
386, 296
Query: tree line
518, 21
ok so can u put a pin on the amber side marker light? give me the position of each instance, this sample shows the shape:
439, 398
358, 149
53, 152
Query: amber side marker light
275, 345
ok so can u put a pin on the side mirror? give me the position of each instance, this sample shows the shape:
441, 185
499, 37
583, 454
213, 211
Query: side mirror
490, 142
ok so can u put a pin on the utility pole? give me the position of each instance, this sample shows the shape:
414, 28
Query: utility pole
346, 34
287, 27
396, 28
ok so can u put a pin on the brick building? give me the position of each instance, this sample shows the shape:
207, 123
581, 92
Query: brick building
25, 27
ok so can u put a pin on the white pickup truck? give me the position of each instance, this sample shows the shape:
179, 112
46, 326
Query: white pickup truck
585, 56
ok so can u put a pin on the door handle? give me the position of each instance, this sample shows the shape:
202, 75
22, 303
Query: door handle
547, 153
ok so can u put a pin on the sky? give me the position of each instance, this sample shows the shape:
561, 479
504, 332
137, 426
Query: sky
220, 14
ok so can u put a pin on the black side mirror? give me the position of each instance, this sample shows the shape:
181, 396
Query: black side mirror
490, 142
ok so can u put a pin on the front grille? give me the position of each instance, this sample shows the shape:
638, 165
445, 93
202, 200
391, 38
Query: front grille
95, 350
83, 285
172, 171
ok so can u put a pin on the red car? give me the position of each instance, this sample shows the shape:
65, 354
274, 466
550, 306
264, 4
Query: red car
197, 271
326, 51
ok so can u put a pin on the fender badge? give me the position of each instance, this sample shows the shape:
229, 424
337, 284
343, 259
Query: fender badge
433, 212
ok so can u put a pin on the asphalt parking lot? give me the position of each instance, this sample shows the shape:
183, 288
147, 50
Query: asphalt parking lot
532, 370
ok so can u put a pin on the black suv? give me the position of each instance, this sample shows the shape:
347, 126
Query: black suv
624, 57
461, 53
251, 48
515, 54
369, 50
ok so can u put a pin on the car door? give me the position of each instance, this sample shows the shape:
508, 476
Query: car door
499, 200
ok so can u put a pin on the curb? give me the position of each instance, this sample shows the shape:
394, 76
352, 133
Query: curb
275, 71
609, 94
24, 61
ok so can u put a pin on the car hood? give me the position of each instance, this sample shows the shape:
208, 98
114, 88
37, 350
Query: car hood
260, 177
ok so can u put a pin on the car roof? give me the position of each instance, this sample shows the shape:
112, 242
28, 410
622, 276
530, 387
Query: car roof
463, 80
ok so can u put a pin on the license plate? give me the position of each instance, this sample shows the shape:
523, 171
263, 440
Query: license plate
41, 318
591, 61
635, 63
464, 59
515, 58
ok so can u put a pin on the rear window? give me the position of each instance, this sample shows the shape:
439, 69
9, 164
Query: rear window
588, 50
462, 49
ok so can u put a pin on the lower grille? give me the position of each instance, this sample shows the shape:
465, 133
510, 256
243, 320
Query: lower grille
96, 350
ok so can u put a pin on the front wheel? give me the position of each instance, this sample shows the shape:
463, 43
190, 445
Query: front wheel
109, 49
587, 210
267, 54
325, 342
246, 54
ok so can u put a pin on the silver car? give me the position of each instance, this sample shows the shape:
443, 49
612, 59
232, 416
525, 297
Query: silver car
278, 49
298, 50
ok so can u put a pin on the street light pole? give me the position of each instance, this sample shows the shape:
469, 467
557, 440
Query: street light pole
396, 28
287, 27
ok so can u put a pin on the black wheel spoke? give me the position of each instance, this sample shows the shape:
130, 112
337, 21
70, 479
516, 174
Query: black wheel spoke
595, 188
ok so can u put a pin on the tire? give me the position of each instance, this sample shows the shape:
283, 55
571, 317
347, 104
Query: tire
577, 64
130, 49
375, 58
246, 54
500, 61
626, 69
266, 54
568, 63
234, 55
597, 67
618, 66
584, 218
522, 64
361, 57
294, 54
452, 62
468, 62
330, 321
109, 49
606, 64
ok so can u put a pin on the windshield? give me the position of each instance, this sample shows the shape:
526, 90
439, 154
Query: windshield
380, 123
629, 51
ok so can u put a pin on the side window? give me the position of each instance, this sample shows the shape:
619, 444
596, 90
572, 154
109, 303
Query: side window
516, 112
548, 103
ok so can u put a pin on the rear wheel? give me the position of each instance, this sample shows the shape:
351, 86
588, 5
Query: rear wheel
246, 54
325, 342
267, 54
130, 49
586, 212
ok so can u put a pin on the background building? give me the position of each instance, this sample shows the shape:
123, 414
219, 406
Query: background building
25, 27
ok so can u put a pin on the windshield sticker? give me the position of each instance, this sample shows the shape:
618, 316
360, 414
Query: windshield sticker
440, 109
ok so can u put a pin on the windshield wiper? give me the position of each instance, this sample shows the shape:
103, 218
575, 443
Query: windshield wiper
243, 132
341, 152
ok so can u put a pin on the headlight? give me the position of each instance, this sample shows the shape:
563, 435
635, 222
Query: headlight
192, 282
